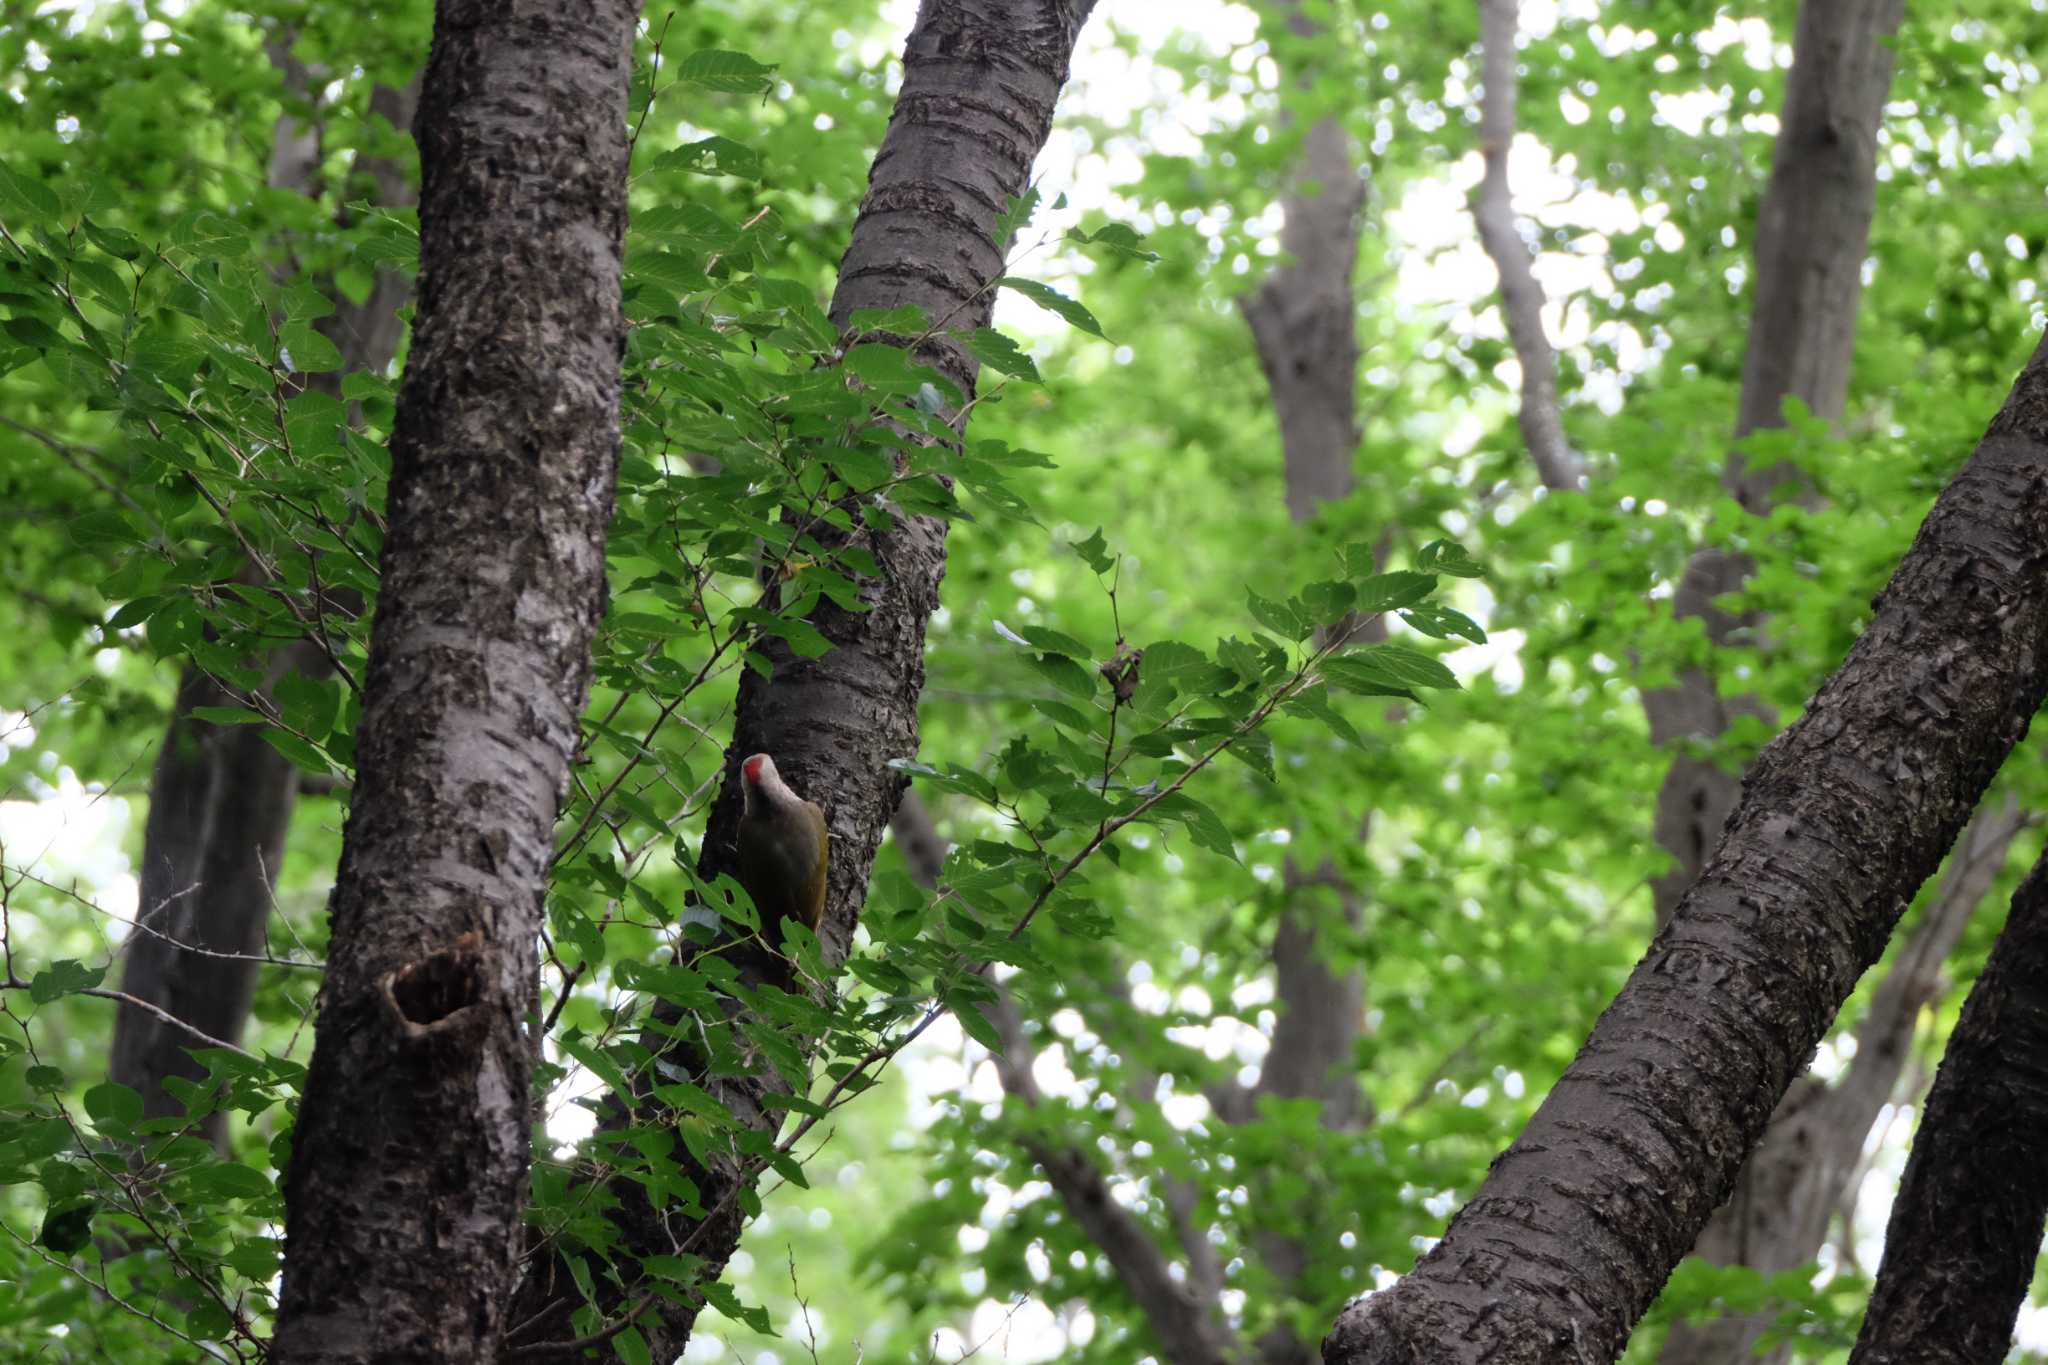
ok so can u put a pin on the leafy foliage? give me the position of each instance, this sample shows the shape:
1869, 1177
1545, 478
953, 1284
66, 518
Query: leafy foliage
182, 493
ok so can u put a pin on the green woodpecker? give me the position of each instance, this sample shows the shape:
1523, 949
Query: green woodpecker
783, 848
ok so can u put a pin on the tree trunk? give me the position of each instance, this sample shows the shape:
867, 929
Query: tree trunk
1812, 230
1795, 1181
1843, 816
221, 797
1965, 1229
979, 82
409, 1164
1304, 323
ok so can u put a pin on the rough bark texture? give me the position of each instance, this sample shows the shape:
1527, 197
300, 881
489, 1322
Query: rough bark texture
410, 1157
1521, 294
221, 797
1842, 817
1812, 229
979, 82
1813, 226
1796, 1180
1965, 1229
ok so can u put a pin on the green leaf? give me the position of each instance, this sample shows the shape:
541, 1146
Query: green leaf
1447, 557
67, 1230
974, 1023
112, 240
1052, 300
230, 1180
113, 1105
1204, 825
1282, 618
1017, 211
713, 156
1093, 552
1065, 674
306, 350
63, 978
303, 755
1441, 623
1389, 591
23, 197
1388, 670
733, 72
227, 715
1001, 354
135, 612
1115, 240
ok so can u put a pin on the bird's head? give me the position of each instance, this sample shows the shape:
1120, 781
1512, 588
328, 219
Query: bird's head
759, 780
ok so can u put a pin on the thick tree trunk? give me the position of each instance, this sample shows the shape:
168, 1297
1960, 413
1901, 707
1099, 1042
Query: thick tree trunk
221, 797
410, 1157
1813, 227
1842, 817
1794, 1183
1965, 1229
979, 82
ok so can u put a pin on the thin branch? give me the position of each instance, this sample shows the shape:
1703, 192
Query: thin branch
13, 983
1521, 293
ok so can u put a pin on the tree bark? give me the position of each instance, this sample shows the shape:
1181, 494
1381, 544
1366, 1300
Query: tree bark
221, 797
979, 82
1794, 1183
1843, 816
1965, 1229
1813, 228
410, 1158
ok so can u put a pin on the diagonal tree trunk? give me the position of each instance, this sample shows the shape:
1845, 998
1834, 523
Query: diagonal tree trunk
1801, 339
1794, 1183
979, 83
1965, 1230
1843, 816
221, 797
412, 1149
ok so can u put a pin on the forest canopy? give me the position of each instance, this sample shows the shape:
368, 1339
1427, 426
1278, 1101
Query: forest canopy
1272, 532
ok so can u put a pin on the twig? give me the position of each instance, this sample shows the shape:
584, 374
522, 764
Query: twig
13, 983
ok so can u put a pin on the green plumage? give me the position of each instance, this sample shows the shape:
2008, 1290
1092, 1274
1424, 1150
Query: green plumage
784, 851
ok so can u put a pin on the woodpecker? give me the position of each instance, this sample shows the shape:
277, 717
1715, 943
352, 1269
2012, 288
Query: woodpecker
784, 849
